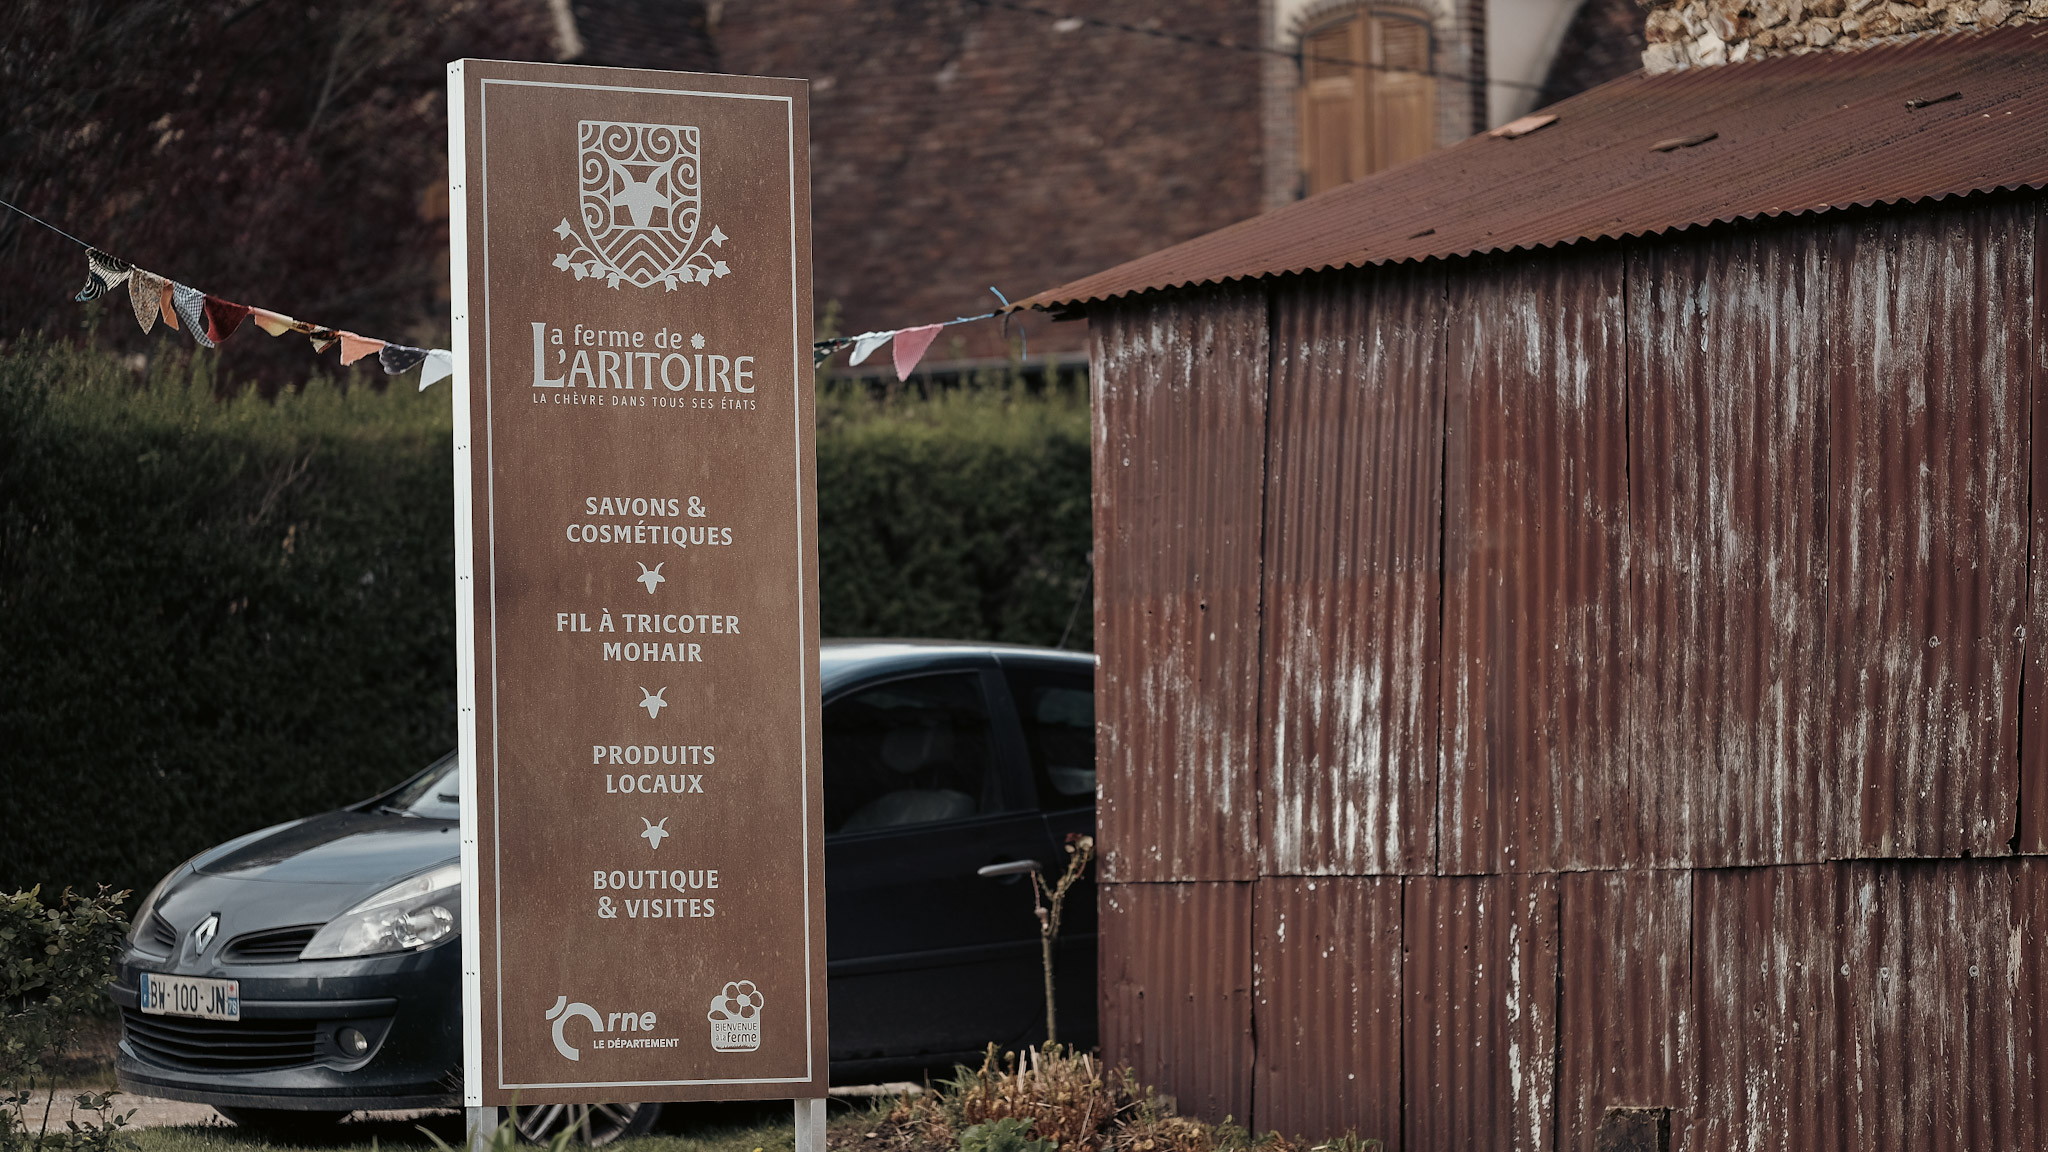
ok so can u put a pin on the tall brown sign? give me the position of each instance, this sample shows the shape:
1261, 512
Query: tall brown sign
636, 548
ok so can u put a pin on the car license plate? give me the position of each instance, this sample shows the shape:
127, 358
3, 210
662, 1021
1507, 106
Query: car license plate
191, 996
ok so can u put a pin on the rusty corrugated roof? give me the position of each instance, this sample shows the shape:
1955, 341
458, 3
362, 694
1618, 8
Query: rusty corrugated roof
1791, 135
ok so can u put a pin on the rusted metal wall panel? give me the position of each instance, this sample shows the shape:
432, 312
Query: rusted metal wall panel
1770, 1067
1933, 320
1932, 957
1728, 418
1179, 457
1176, 989
1328, 1007
1536, 554
1480, 1036
2030, 992
2033, 832
1354, 457
1625, 1018
1759, 605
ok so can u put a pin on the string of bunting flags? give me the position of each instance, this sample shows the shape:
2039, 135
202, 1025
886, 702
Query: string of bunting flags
910, 343
211, 319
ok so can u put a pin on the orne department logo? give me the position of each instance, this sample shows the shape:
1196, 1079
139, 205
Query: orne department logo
639, 208
601, 1023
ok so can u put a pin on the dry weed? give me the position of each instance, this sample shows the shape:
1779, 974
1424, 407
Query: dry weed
1070, 1099
1067, 1096
913, 1124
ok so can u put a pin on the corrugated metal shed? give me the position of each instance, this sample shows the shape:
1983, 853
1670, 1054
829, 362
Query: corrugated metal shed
1536, 553
1770, 1067
1352, 546
1791, 135
1181, 1015
1604, 676
1884, 1004
1479, 1056
1929, 1030
1728, 467
2033, 376
1627, 956
1693, 493
1928, 522
1179, 474
1329, 965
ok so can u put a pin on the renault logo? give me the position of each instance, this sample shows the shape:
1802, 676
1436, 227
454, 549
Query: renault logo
203, 935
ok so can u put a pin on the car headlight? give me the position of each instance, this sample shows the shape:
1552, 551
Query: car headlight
413, 913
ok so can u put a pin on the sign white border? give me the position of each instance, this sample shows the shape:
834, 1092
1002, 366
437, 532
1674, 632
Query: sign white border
465, 598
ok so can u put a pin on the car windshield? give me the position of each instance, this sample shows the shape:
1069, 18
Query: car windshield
433, 796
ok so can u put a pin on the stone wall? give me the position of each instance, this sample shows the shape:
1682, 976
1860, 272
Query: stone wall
1689, 33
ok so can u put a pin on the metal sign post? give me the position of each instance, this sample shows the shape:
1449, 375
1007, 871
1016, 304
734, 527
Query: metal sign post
636, 545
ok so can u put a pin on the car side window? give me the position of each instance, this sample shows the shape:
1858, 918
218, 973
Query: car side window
1058, 712
911, 751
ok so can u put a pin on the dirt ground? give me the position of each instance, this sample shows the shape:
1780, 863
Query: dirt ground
155, 1112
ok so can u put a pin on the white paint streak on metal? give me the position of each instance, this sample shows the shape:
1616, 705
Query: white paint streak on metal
1178, 469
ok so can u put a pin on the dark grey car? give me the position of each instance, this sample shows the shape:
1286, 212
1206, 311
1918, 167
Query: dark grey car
338, 931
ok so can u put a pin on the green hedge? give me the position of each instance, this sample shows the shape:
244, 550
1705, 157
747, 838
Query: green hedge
215, 615
963, 515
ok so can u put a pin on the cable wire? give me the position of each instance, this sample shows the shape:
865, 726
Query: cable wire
45, 223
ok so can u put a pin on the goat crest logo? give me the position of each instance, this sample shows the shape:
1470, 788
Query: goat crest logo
641, 207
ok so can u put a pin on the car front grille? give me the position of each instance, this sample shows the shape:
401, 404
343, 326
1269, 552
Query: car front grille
159, 933
275, 946
220, 1045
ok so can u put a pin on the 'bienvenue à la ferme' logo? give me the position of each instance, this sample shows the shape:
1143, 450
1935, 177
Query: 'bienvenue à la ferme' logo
640, 208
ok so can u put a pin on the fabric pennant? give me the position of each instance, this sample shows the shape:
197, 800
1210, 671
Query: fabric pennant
821, 353
190, 304
145, 296
440, 364
398, 359
865, 344
910, 346
164, 305
111, 269
354, 347
273, 323
103, 273
321, 338
223, 317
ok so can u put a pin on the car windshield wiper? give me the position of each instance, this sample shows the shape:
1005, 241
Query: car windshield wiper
397, 811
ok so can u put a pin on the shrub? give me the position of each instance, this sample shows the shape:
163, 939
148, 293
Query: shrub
964, 514
1056, 1098
54, 960
214, 615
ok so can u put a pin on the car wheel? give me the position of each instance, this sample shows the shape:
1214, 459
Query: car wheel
281, 1121
591, 1125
